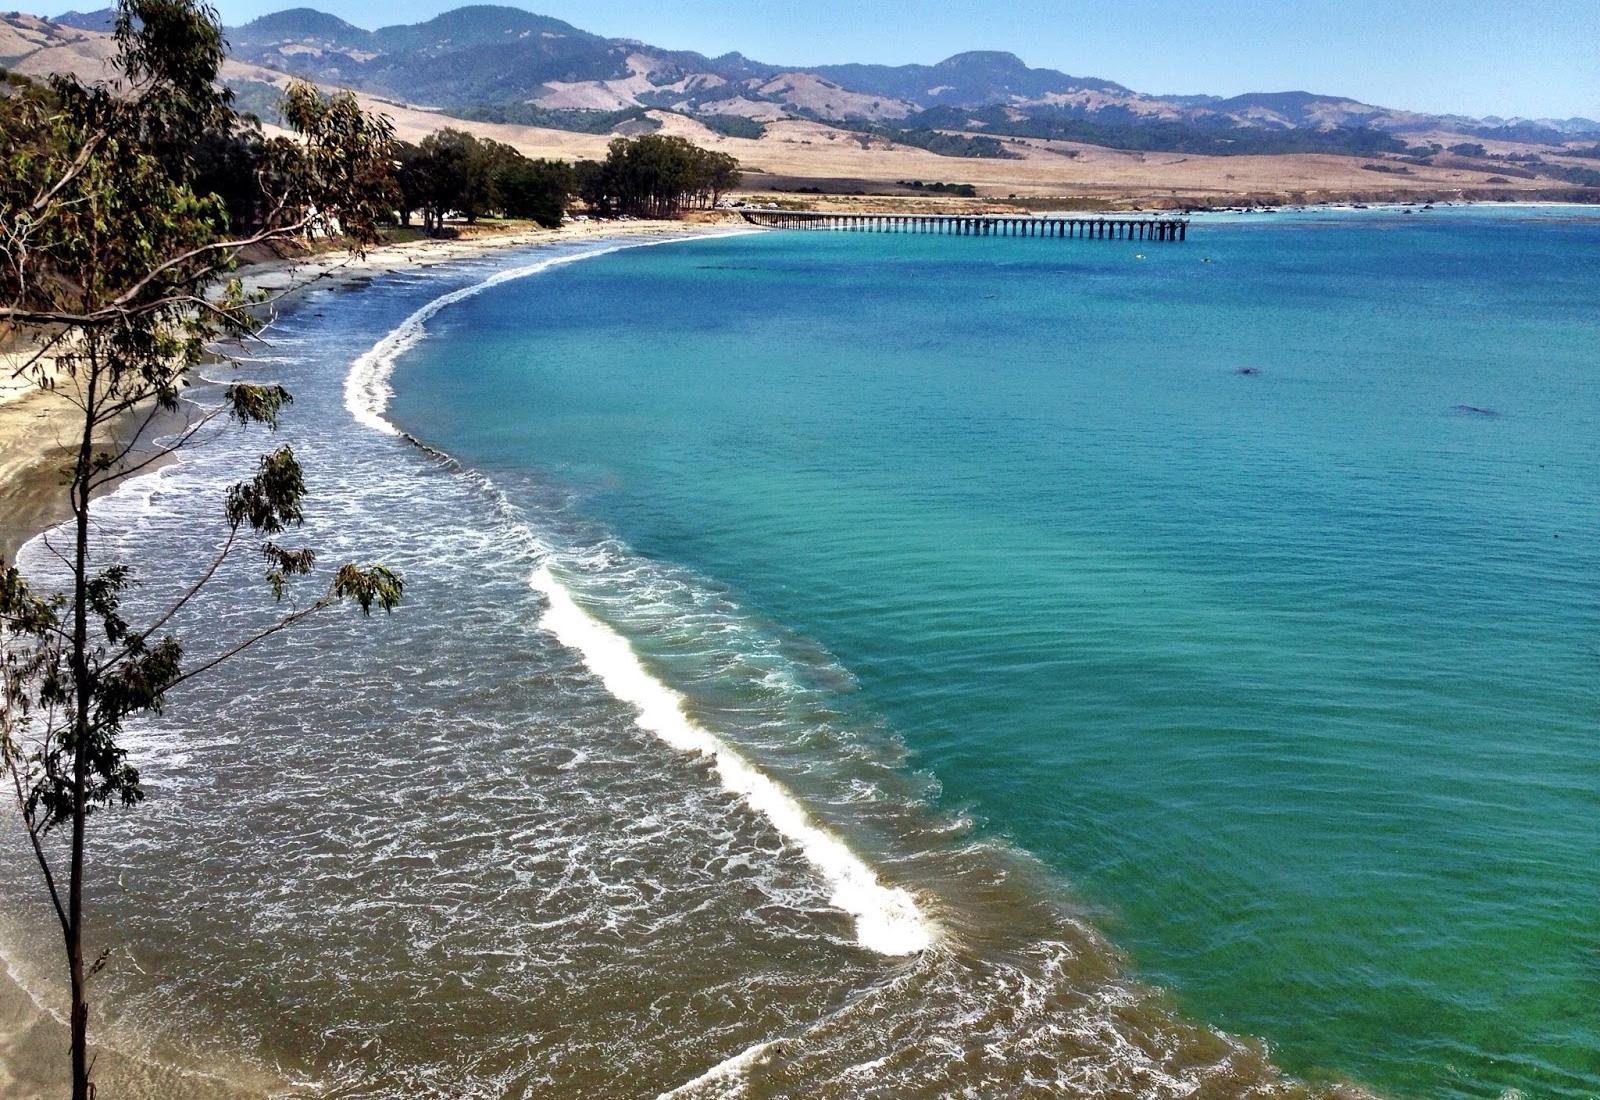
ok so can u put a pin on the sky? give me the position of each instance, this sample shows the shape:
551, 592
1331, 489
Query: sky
1534, 58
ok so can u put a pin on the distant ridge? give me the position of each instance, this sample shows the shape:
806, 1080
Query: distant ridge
492, 56
103, 20
298, 23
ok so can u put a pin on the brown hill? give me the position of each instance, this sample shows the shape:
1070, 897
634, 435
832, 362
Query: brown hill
798, 153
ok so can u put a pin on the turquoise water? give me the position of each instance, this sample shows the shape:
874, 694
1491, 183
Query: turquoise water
1256, 598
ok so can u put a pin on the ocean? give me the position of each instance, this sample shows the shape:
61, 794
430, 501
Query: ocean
852, 665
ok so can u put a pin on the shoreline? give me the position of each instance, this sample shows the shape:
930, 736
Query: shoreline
133, 1075
33, 1037
34, 423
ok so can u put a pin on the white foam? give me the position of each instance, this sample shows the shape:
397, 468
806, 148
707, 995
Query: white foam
366, 387
888, 919
726, 1077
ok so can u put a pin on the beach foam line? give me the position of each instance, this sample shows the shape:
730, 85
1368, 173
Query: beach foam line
726, 1077
887, 918
366, 387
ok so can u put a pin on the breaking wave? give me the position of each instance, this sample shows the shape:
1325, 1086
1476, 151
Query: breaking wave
888, 919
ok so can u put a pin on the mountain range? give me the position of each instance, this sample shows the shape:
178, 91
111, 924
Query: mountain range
512, 60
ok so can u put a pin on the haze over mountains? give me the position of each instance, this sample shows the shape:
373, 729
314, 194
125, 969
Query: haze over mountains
517, 61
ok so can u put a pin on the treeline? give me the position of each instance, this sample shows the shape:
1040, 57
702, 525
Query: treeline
651, 176
1530, 165
1529, 133
577, 120
1144, 135
962, 190
655, 176
943, 144
453, 172
1583, 177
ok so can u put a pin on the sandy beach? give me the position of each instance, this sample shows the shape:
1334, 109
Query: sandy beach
35, 429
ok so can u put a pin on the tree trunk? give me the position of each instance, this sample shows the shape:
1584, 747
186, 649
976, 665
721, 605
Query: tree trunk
82, 688
80, 1020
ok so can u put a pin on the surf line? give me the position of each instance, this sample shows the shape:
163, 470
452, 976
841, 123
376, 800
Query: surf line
888, 919
724, 1076
366, 387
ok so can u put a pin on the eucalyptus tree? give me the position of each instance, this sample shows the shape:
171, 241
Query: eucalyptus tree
656, 176
117, 271
536, 189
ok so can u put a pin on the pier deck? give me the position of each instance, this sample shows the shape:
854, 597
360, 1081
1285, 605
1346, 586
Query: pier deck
978, 225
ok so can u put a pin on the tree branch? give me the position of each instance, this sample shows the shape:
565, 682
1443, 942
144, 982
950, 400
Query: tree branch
234, 247
194, 589
285, 623
79, 163
31, 826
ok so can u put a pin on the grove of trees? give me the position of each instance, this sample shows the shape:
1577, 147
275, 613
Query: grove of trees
652, 176
656, 176
452, 171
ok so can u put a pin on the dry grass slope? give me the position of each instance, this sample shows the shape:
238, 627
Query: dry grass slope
796, 153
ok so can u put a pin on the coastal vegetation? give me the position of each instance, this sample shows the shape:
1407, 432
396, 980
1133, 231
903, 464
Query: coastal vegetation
960, 190
453, 171
1213, 138
575, 119
656, 176
126, 208
651, 176
944, 144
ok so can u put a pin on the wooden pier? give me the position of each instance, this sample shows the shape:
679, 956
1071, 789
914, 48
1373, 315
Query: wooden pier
978, 225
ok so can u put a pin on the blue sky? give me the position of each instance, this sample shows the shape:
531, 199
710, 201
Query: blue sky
1506, 57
